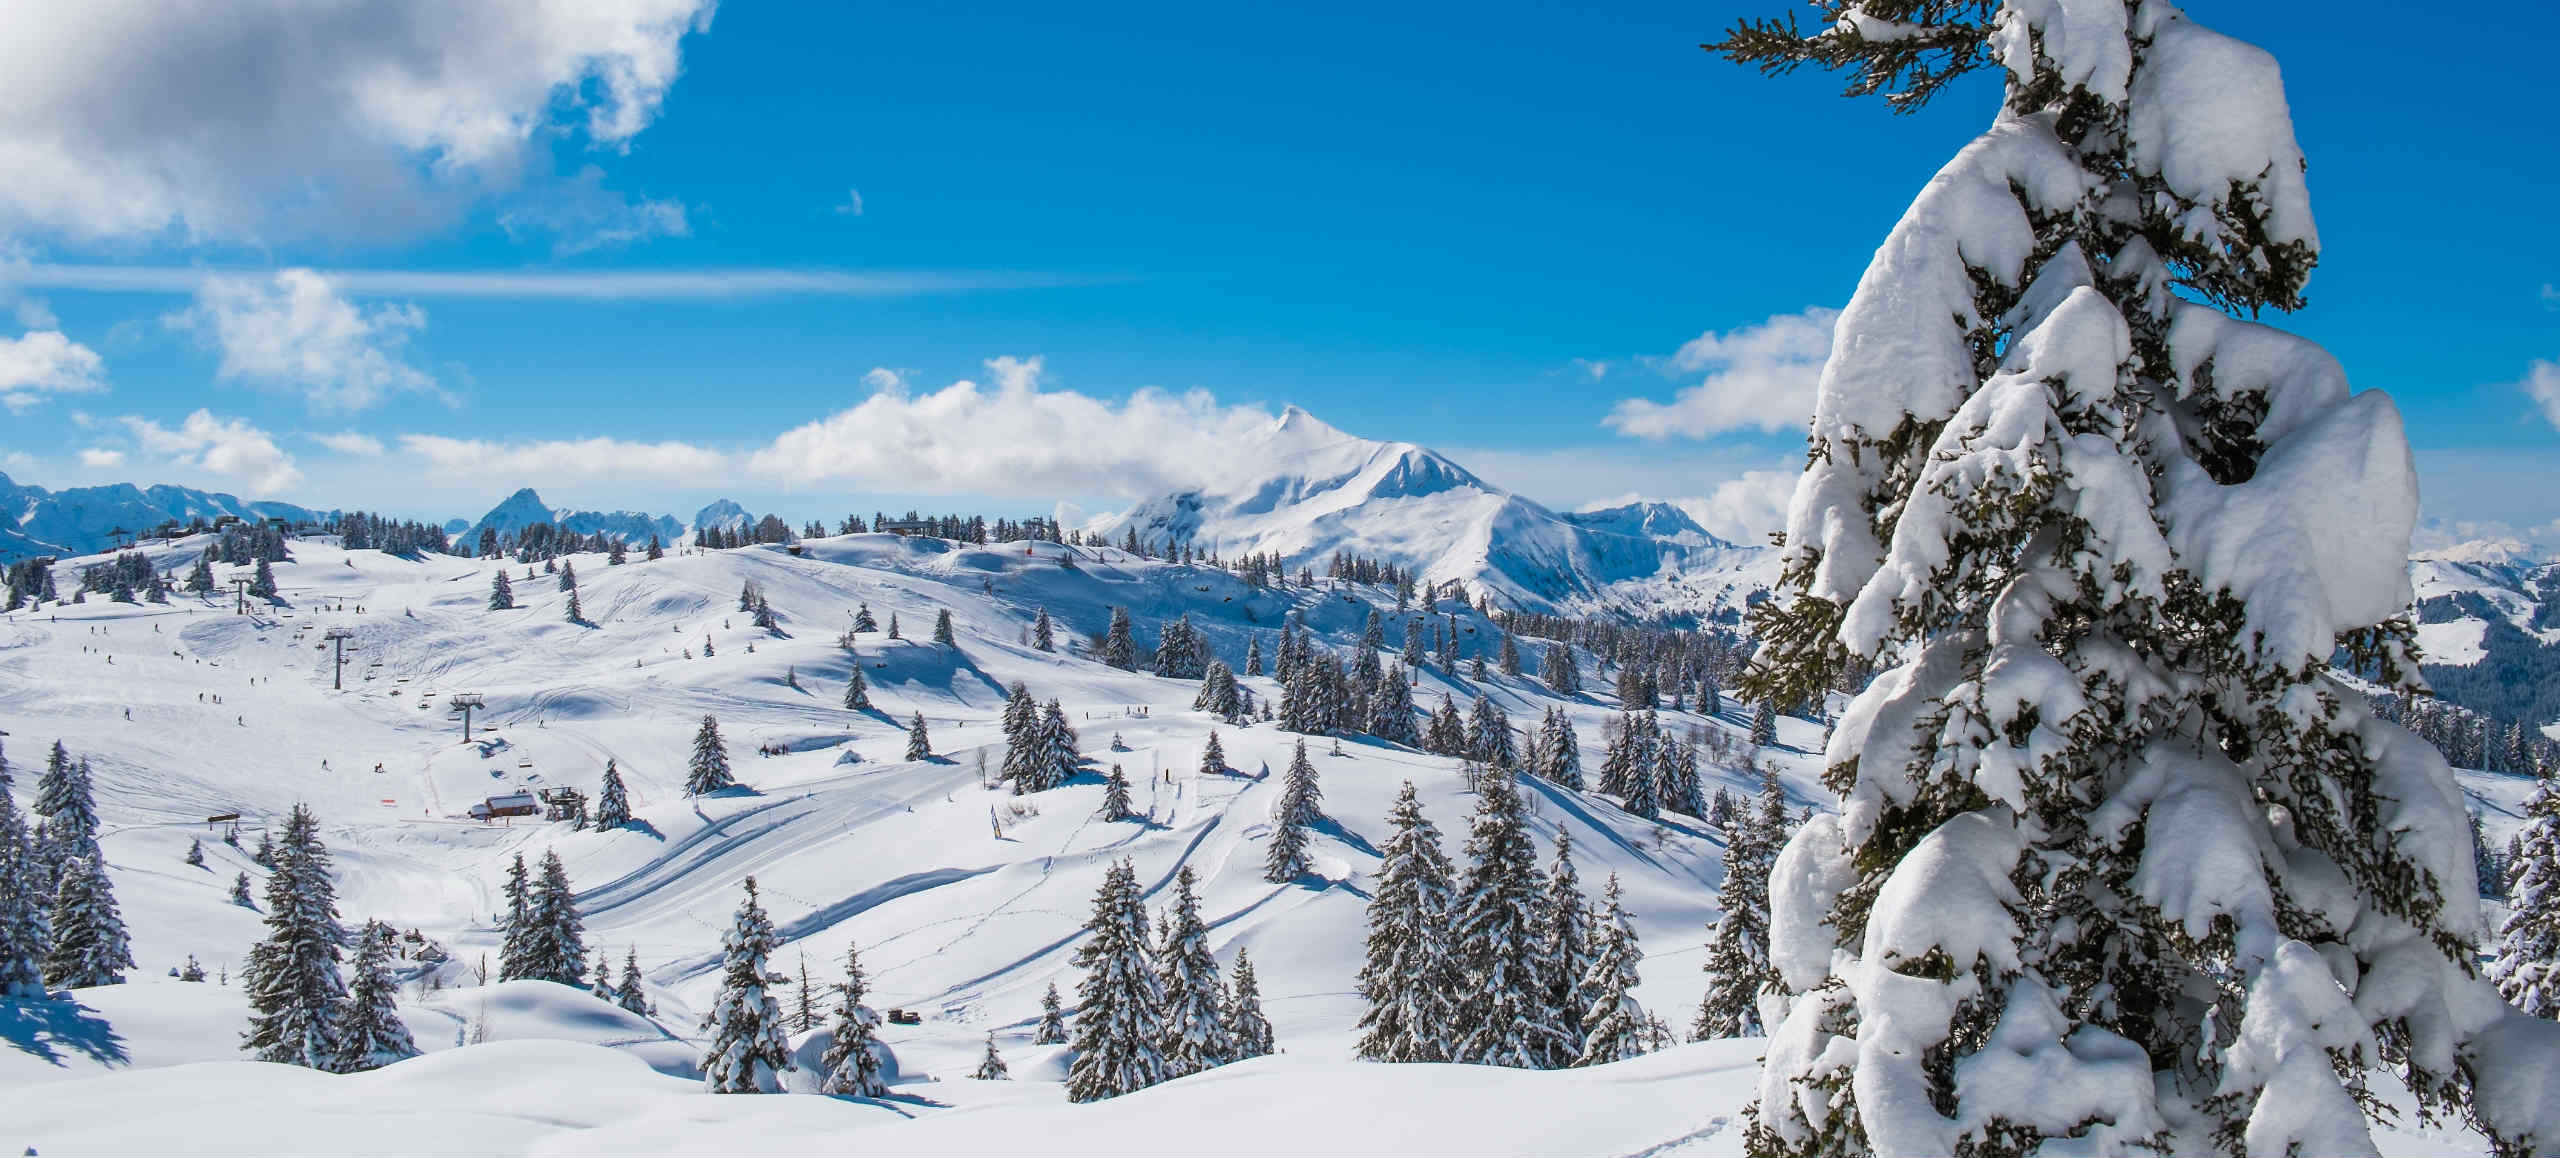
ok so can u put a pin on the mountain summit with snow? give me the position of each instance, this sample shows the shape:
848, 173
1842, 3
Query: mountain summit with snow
1305, 490
525, 508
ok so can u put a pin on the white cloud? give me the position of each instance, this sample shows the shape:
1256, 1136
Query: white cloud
580, 214
256, 119
296, 333
2550, 296
20, 461
227, 448
1745, 509
2542, 384
1594, 370
350, 442
101, 458
560, 459
852, 205
1014, 440
1758, 377
36, 365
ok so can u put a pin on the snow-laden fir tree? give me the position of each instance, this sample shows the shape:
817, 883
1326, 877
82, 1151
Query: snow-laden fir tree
1299, 807
862, 620
1560, 754
25, 906
68, 813
195, 853
1194, 1034
1253, 655
991, 1067
1213, 757
942, 627
240, 892
1119, 648
370, 1032
1052, 1029
1115, 796
1219, 695
746, 1054
893, 626
2119, 859
919, 742
1510, 662
502, 594
1060, 760
852, 1064
708, 771
568, 576
1119, 1005
89, 943
631, 992
2527, 968
1391, 709
1566, 943
613, 802
553, 946
857, 691
1559, 669
262, 581
1248, 1031
1737, 959
1043, 634
1489, 739
1764, 725
515, 928
571, 611
1504, 1016
297, 998
1614, 1026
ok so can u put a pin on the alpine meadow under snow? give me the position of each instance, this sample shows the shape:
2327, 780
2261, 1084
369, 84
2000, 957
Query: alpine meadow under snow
2062, 782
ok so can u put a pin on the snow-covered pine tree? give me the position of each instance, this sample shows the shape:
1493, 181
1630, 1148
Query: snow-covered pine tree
657, 550
1489, 740
631, 992
515, 929
991, 1067
568, 576
1561, 752
1614, 1026
1115, 796
747, 1054
502, 594
893, 626
1504, 1016
1119, 649
1299, 807
857, 692
1044, 634
1248, 1031
555, 946
1510, 662
1391, 709
1052, 1029
25, 909
89, 943
240, 891
1219, 695
852, 1062
264, 856
1119, 1006
919, 742
262, 581
1737, 959
1764, 725
613, 802
1213, 757
297, 998
862, 620
708, 771
1566, 943
370, 1032
69, 812
571, 611
1193, 1034
1562, 673
2102, 537
1060, 761
1253, 655
195, 853
2527, 969
942, 628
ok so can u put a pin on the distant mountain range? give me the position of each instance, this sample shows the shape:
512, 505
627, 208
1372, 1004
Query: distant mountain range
84, 520
525, 508
2489, 631
1306, 490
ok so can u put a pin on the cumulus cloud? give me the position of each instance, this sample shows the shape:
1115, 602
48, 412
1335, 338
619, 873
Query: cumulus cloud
2542, 384
574, 458
1757, 377
296, 333
101, 458
350, 442
1013, 439
1746, 509
227, 448
255, 119
37, 365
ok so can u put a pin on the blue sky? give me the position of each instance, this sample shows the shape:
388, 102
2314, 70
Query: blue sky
1432, 223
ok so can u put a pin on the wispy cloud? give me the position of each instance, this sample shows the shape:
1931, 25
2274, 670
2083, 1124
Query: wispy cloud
590, 285
2542, 384
1756, 377
351, 443
851, 206
295, 333
583, 458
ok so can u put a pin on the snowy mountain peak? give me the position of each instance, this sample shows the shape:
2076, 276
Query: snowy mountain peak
1649, 520
724, 514
525, 508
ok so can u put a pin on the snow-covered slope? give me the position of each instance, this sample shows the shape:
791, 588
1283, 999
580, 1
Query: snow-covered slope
36, 521
1306, 490
525, 508
2489, 627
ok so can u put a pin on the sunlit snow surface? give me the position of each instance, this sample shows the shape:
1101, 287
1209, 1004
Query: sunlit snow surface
954, 920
